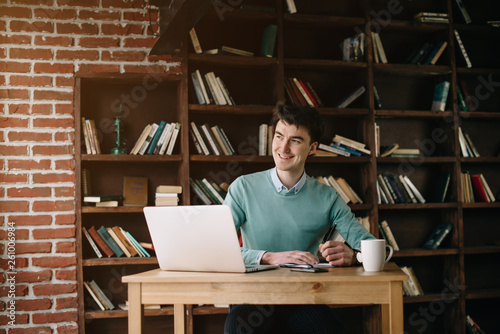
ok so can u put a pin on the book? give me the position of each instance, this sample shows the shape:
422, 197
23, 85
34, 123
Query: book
420, 54
166, 138
107, 204
195, 141
440, 96
376, 58
333, 183
200, 139
100, 241
441, 188
333, 150
468, 140
220, 139
226, 140
225, 92
102, 198
435, 53
142, 138
437, 236
197, 88
380, 49
268, 40
409, 193
119, 241
489, 193
462, 48
314, 94
390, 236
352, 97
92, 137
103, 232
479, 191
199, 193
412, 287
292, 9
414, 189
94, 296
149, 139
215, 88
166, 201
169, 189
235, 51
303, 92
212, 191
387, 151
156, 137
378, 103
135, 191
263, 139
464, 12
195, 41
211, 140
173, 139
469, 99
86, 139
91, 242
202, 86
101, 295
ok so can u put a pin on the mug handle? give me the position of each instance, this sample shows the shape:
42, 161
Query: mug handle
391, 251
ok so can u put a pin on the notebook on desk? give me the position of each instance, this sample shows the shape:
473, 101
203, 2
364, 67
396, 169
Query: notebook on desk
196, 238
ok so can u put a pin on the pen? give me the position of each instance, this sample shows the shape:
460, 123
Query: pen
330, 233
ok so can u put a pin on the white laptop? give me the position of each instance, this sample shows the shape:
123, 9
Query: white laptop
196, 238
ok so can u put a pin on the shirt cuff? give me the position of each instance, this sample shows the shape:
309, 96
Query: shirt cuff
259, 257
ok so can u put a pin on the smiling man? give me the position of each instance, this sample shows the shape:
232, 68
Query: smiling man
283, 214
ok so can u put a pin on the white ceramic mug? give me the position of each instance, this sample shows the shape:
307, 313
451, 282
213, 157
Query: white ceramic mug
373, 253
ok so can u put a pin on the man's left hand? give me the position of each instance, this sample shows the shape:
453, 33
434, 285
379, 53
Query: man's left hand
337, 253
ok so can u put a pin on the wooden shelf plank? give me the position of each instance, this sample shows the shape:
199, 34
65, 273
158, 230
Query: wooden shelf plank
421, 159
165, 310
131, 158
427, 298
323, 20
113, 261
481, 160
410, 69
417, 252
413, 113
324, 64
481, 205
203, 109
482, 294
413, 206
232, 61
120, 209
482, 250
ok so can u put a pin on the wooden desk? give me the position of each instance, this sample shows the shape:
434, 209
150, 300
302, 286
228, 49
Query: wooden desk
349, 285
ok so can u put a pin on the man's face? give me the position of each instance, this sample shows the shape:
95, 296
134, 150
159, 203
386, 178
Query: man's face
291, 146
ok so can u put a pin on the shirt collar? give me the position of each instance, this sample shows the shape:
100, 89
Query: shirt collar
279, 186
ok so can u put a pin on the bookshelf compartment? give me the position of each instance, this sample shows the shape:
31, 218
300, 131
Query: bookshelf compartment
480, 274
385, 12
480, 11
476, 223
326, 7
483, 90
484, 135
485, 313
434, 320
482, 53
490, 173
160, 324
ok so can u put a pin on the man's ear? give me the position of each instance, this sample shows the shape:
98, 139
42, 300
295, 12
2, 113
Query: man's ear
313, 147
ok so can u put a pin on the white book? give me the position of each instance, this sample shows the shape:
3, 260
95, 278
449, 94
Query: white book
407, 189
85, 133
92, 242
262, 139
384, 188
149, 138
199, 192
141, 139
202, 85
463, 143
213, 191
351, 142
414, 189
220, 140
381, 195
210, 139
352, 97
464, 12
335, 185
94, 296
303, 92
212, 81
195, 41
163, 138
175, 133
375, 51
197, 89
223, 90
292, 9
200, 139
102, 295
169, 129
333, 150
486, 187
462, 48
380, 48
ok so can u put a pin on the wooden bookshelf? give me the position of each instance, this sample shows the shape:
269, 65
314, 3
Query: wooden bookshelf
307, 46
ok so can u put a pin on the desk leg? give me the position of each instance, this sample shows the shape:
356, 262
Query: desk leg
135, 309
179, 319
392, 313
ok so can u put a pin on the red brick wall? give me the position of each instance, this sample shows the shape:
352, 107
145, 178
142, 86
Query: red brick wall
43, 43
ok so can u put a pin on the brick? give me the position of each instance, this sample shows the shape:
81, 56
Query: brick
37, 26
53, 289
54, 261
41, 109
54, 41
122, 30
64, 136
15, 39
53, 122
67, 329
65, 82
65, 165
148, 42
15, 12
144, 69
54, 233
29, 192
65, 219
24, 80
12, 150
14, 67
66, 302
13, 178
53, 150
49, 13
79, 3
21, 290
93, 68
53, 68
21, 234
98, 42
19, 109
21, 319
31, 330
19, 53
32, 276
14, 94
77, 29
31, 220
122, 4
65, 247
64, 191
21, 136
52, 95
99, 15
29, 164
123, 56
45, 206
141, 16
64, 109
77, 54
33, 247
66, 275
42, 318
14, 206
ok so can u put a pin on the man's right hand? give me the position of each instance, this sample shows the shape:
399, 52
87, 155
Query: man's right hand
297, 257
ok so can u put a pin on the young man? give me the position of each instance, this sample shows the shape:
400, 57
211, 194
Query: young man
283, 215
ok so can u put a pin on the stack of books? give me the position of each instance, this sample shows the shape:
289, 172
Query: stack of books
386, 233
395, 151
353, 48
301, 93
208, 192
342, 187
103, 201
346, 147
211, 140
467, 148
113, 241
100, 298
476, 189
411, 287
210, 89
427, 53
392, 189
167, 195
90, 136
157, 139
431, 17
378, 49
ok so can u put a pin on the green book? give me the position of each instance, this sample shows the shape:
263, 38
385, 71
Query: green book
110, 241
268, 41
442, 186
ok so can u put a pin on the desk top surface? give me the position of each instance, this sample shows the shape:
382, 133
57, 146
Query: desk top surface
338, 274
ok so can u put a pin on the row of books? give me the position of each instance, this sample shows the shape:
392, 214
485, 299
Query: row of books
157, 139
211, 140
167, 195
301, 93
265, 139
113, 241
267, 45
411, 287
98, 295
426, 54
476, 189
392, 189
342, 187
467, 148
90, 137
210, 89
209, 192
345, 146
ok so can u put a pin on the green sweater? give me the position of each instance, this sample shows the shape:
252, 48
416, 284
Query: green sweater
277, 222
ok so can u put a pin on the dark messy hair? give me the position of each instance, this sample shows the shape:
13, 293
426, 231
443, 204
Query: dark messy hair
306, 117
